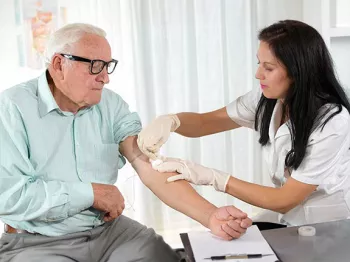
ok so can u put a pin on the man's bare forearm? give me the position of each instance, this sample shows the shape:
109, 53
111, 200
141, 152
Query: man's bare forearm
178, 195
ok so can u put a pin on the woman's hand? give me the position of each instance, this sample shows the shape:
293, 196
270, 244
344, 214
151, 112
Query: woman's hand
153, 136
193, 173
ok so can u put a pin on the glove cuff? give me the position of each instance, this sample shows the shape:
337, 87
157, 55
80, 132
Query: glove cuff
220, 180
175, 122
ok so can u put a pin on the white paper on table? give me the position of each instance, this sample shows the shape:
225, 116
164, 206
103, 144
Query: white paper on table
204, 244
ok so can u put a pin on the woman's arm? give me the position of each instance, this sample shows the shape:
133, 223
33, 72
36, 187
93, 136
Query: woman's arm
157, 133
281, 200
240, 112
277, 199
197, 125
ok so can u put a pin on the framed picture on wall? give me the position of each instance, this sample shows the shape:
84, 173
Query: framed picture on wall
36, 20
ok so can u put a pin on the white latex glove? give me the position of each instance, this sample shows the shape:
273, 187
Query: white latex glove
194, 173
153, 136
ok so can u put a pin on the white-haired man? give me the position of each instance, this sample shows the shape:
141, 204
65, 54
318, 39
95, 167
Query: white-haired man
63, 138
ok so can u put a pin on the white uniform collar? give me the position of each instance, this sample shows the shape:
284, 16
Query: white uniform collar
275, 130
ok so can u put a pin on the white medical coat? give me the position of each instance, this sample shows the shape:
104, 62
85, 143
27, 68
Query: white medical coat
326, 162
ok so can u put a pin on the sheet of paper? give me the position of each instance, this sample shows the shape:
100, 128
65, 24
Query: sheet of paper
204, 244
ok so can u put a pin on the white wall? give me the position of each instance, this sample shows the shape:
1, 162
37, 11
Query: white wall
325, 15
342, 13
340, 50
340, 46
271, 11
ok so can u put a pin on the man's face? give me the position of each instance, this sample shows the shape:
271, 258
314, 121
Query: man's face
78, 84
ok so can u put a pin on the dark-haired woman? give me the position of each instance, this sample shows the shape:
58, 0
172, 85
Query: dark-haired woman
302, 115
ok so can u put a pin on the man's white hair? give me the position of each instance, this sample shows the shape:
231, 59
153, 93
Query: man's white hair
63, 39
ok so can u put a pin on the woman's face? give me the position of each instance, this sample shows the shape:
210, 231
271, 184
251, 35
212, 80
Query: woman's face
274, 80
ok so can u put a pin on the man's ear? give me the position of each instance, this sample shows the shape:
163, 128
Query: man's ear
57, 66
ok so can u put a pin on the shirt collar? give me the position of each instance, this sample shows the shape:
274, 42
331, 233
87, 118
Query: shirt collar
46, 101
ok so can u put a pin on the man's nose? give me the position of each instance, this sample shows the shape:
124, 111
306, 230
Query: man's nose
103, 76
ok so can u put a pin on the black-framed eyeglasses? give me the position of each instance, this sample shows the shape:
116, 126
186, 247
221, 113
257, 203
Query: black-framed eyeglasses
96, 65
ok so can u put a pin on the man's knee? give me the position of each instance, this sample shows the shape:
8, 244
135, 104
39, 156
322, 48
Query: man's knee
25, 255
146, 247
32, 256
155, 249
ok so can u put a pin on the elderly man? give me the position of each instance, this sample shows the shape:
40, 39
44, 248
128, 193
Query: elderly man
63, 138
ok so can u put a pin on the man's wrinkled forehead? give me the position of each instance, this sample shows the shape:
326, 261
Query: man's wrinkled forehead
93, 47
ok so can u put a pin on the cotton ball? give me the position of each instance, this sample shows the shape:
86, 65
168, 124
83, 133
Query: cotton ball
156, 162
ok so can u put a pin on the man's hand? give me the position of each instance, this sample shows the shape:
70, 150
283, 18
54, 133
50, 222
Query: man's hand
107, 198
153, 136
229, 222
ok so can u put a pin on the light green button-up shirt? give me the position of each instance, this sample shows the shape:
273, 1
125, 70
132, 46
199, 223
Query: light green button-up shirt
49, 158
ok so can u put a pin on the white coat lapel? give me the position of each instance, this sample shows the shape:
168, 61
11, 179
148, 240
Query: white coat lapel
275, 120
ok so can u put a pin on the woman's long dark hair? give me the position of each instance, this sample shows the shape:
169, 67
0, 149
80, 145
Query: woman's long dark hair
301, 49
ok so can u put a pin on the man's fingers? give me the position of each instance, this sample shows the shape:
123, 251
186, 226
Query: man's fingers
222, 234
224, 216
230, 231
236, 226
247, 222
118, 213
235, 212
107, 217
175, 178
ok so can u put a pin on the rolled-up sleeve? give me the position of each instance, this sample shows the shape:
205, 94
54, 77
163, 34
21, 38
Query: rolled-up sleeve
125, 124
325, 152
24, 194
242, 110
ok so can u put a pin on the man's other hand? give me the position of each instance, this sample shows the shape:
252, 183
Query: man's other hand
107, 198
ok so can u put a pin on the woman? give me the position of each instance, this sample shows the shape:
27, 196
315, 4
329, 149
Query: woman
302, 115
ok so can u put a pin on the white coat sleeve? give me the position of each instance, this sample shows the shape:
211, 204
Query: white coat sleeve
242, 110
